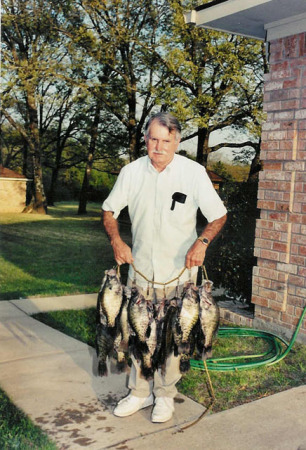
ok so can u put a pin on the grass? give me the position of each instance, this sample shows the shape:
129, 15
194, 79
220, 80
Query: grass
17, 431
57, 254
231, 388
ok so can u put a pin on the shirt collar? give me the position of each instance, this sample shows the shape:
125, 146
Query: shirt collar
167, 169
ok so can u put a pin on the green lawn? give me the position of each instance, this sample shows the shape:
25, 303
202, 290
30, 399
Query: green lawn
57, 254
17, 431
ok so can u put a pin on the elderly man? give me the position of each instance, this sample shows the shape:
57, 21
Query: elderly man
163, 191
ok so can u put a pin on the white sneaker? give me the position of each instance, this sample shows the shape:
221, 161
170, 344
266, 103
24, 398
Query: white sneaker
131, 404
163, 409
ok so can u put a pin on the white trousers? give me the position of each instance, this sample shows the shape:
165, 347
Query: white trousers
162, 384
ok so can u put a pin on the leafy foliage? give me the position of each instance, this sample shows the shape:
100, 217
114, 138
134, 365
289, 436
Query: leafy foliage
230, 257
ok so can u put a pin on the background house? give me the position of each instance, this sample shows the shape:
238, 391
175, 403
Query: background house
13, 188
278, 287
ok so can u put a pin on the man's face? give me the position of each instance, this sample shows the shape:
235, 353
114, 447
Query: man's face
161, 145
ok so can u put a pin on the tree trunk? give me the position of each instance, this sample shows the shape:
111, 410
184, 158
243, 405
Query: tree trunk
38, 203
51, 191
202, 152
92, 147
256, 165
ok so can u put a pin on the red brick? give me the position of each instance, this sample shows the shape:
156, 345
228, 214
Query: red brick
294, 83
267, 205
278, 216
280, 226
285, 145
282, 207
259, 301
298, 260
290, 104
268, 254
273, 106
271, 234
261, 223
276, 306
279, 247
301, 114
262, 243
287, 268
289, 319
275, 195
296, 280
270, 145
273, 85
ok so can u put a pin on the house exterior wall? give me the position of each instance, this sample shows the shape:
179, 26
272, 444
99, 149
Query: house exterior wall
278, 290
12, 195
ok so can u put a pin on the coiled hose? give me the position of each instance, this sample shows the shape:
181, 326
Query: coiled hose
275, 353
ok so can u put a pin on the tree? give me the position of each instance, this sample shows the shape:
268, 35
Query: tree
112, 36
214, 80
31, 54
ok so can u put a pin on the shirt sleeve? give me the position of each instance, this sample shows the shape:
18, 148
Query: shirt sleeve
117, 199
207, 198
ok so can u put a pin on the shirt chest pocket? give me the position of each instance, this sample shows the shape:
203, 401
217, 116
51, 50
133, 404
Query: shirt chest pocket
179, 208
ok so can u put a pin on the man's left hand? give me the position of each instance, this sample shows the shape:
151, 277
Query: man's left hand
196, 255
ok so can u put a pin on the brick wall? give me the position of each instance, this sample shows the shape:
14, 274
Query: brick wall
279, 290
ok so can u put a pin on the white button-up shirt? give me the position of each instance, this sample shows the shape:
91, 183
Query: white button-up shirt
162, 236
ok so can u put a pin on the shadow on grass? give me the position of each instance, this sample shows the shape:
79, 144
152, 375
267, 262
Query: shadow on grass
59, 254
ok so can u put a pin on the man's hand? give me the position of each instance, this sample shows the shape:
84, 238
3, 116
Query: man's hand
195, 255
122, 252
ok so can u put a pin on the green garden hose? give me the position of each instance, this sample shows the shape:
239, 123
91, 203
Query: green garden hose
278, 348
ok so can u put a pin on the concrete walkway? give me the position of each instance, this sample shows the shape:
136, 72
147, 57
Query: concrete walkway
53, 379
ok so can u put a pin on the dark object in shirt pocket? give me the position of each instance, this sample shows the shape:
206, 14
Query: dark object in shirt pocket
178, 197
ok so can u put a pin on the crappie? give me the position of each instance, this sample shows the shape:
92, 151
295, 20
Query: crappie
167, 344
107, 318
105, 338
140, 313
147, 365
186, 320
123, 333
143, 336
209, 318
109, 298
188, 312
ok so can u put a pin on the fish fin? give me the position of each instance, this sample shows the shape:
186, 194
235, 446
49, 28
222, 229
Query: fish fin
148, 332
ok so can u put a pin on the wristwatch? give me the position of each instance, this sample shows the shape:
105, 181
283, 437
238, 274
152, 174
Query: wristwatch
204, 240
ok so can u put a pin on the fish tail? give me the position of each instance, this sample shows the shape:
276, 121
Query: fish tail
184, 347
121, 366
102, 369
207, 352
147, 372
184, 364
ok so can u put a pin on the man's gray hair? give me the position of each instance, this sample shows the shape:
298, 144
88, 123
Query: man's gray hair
167, 120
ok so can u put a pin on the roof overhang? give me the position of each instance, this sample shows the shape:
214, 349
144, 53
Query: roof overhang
259, 19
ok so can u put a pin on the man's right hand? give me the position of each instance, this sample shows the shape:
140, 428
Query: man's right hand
122, 252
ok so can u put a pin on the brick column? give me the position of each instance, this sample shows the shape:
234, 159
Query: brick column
279, 289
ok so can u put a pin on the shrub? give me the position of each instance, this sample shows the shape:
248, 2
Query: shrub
230, 257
